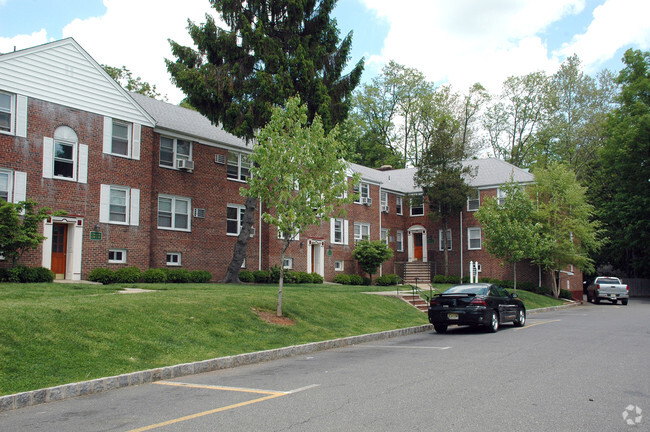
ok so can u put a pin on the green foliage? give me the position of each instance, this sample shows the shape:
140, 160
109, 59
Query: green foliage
371, 254
439, 279
342, 279
24, 274
102, 275
388, 279
124, 77
127, 275
356, 279
178, 275
566, 294
303, 277
261, 276
274, 274
317, 279
246, 276
154, 276
200, 276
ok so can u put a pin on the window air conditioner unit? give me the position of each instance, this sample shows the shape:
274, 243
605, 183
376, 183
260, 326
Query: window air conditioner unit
199, 213
185, 164
368, 201
252, 232
385, 208
220, 159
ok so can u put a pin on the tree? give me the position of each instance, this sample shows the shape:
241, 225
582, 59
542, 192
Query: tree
364, 147
442, 176
567, 233
508, 227
371, 254
621, 187
20, 226
298, 173
124, 77
271, 50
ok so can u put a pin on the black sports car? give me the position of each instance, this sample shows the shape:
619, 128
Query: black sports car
479, 304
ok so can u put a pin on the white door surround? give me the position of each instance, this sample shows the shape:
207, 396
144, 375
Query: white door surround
74, 245
417, 230
316, 256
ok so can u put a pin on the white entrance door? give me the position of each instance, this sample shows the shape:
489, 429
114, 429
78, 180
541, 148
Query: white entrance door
417, 244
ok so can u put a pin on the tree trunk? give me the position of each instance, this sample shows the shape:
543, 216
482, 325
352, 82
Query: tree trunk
285, 246
514, 275
556, 288
241, 246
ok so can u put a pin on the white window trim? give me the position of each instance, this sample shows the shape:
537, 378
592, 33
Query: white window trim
469, 238
175, 157
132, 205
400, 243
12, 114
361, 187
175, 198
75, 149
501, 196
337, 267
116, 261
129, 138
383, 198
10, 184
281, 236
239, 207
361, 226
171, 263
240, 155
411, 207
478, 198
344, 231
449, 238
290, 263
384, 235
399, 208
134, 137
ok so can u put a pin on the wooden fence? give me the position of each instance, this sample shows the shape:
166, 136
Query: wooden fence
638, 287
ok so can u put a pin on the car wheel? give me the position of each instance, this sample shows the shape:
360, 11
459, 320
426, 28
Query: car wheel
614, 301
494, 323
520, 321
440, 328
624, 302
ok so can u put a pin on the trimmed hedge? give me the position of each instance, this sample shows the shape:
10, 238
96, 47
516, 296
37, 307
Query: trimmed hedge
342, 279
127, 275
387, 280
261, 276
154, 276
356, 279
317, 279
178, 276
102, 275
23, 274
246, 276
200, 276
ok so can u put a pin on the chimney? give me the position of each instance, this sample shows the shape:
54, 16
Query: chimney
385, 168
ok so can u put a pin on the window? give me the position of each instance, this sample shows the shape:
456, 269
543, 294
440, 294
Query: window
362, 190
238, 166
234, 218
384, 235
398, 205
417, 205
440, 240
118, 206
384, 201
473, 238
173, 258
120, 138
400, 241
338, 228
65, 153
361, 231
5, 185
287, 263
6, 112
338, 266
174, 213
501, 196
117, 256
172, 150
281, 236
474, 200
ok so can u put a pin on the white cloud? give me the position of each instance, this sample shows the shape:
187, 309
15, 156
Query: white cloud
616, 24
22, 41
135, 33
466, 41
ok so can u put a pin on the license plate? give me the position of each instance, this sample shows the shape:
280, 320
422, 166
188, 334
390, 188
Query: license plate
452, 316
613, 296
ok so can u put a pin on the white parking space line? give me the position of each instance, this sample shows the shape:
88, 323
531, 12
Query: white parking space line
405, 347
529, 324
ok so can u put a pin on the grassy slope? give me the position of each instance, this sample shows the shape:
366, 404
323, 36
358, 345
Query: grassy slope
52, 334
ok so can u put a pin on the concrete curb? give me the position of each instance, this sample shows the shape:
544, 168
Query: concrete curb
554, 308
67, 391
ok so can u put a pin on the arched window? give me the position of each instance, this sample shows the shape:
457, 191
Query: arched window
65, 152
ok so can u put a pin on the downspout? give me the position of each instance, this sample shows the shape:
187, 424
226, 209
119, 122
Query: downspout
259, 240
381, 266
461, 246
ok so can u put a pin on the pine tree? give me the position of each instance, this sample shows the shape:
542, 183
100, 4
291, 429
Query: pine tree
271, 50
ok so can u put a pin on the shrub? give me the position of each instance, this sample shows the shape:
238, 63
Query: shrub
342, 279
356, 280
305, 278
154, 276
439, 279
43, 274
316, 278
290, 277
367, 281
274, 274
387, 280
527, 286
484, 280
200, 276
566, 294
4, 273
508, 284
178, 276
543, 290
261, 276
465, 279
246, 276
102, 275
127, 275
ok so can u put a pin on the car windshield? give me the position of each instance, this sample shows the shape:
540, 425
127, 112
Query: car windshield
608, 281
467, 289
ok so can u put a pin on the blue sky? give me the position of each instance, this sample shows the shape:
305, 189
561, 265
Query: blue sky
451, 41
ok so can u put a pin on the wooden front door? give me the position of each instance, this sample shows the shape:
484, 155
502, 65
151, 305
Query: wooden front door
417, 246
59, 248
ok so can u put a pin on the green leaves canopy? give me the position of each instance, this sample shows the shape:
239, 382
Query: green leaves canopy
371, 254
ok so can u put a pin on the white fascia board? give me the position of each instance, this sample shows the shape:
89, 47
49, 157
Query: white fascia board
200, 140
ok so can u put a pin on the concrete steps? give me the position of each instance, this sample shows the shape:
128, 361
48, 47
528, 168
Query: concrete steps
417, 270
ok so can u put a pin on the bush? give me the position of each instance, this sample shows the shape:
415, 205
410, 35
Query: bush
261, 276
102, 275
246, 276
127, 275
4, 274
543, 290
453, 279
200, 276
387, 280
317, 279
342, 279
178, 276
305, 278
367, 281
465, 279
154, 276
356, 280
43, 274
439, 279
290, 277
566, 294
274, 274
527, 286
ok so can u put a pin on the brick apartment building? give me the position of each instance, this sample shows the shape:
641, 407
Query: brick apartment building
150, 184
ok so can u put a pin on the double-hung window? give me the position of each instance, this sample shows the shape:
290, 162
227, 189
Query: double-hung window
5, 185
398, 205
383, 201
234, 219
173, 150
474, 200
417, 205
384, 235
238, 166
338, 231
6, 112
65, 157
361, 231
474, 238
119, 205
501, 196
173, 259
399, 236
120, 139
362, 193
287, 263
441, 241
174, 213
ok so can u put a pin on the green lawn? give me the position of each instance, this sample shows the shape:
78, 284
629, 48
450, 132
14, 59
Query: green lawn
51, 334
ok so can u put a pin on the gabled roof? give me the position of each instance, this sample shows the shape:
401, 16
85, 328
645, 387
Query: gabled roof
62, 72
186, 122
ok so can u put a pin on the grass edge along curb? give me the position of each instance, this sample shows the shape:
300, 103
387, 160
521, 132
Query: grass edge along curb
99, 385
